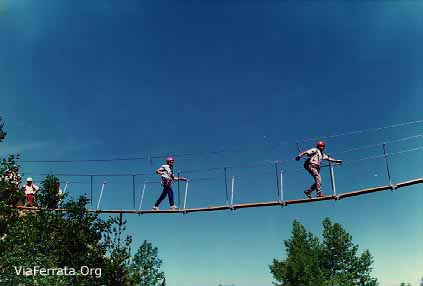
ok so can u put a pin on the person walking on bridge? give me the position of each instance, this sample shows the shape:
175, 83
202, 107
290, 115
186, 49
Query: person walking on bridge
312, 165
167, 178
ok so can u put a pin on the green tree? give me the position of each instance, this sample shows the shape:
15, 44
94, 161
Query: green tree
10, 180
339, 258
334, 261
49, 192
119, 250
302, 266
10, 194
9, 176
145, 267
52, 239
9, 187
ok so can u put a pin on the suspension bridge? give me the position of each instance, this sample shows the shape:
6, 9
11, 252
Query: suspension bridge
230, 188
252, 205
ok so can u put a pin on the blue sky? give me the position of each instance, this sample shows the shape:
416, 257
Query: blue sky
103, 79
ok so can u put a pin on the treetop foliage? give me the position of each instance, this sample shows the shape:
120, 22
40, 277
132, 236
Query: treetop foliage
146, 266
330, 262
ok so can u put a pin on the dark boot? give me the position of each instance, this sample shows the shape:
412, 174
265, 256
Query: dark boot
320, 194
308, 193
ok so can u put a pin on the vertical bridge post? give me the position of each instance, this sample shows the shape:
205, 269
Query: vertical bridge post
278, 183
298, 146
387, 167
186, 194
101, 195
133, 190
281, 193
142, 195
332, 179
179, 194
232, 192
91, 181
66, 187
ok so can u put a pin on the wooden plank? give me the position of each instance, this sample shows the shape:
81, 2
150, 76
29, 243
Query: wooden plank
136, 211
107, 211
207, 209
362, 192
257, 205
380, 188
409, 183
303, 201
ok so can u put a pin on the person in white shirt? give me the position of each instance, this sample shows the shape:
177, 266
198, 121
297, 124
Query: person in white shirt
30, 189
167, 178
312, 165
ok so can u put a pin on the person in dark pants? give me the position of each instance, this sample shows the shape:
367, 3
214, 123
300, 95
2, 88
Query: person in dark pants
312, 165
166, 173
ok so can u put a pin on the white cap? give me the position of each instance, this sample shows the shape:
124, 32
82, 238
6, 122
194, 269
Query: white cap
29, 179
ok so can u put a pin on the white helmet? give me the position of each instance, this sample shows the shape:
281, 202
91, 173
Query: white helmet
29, 179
